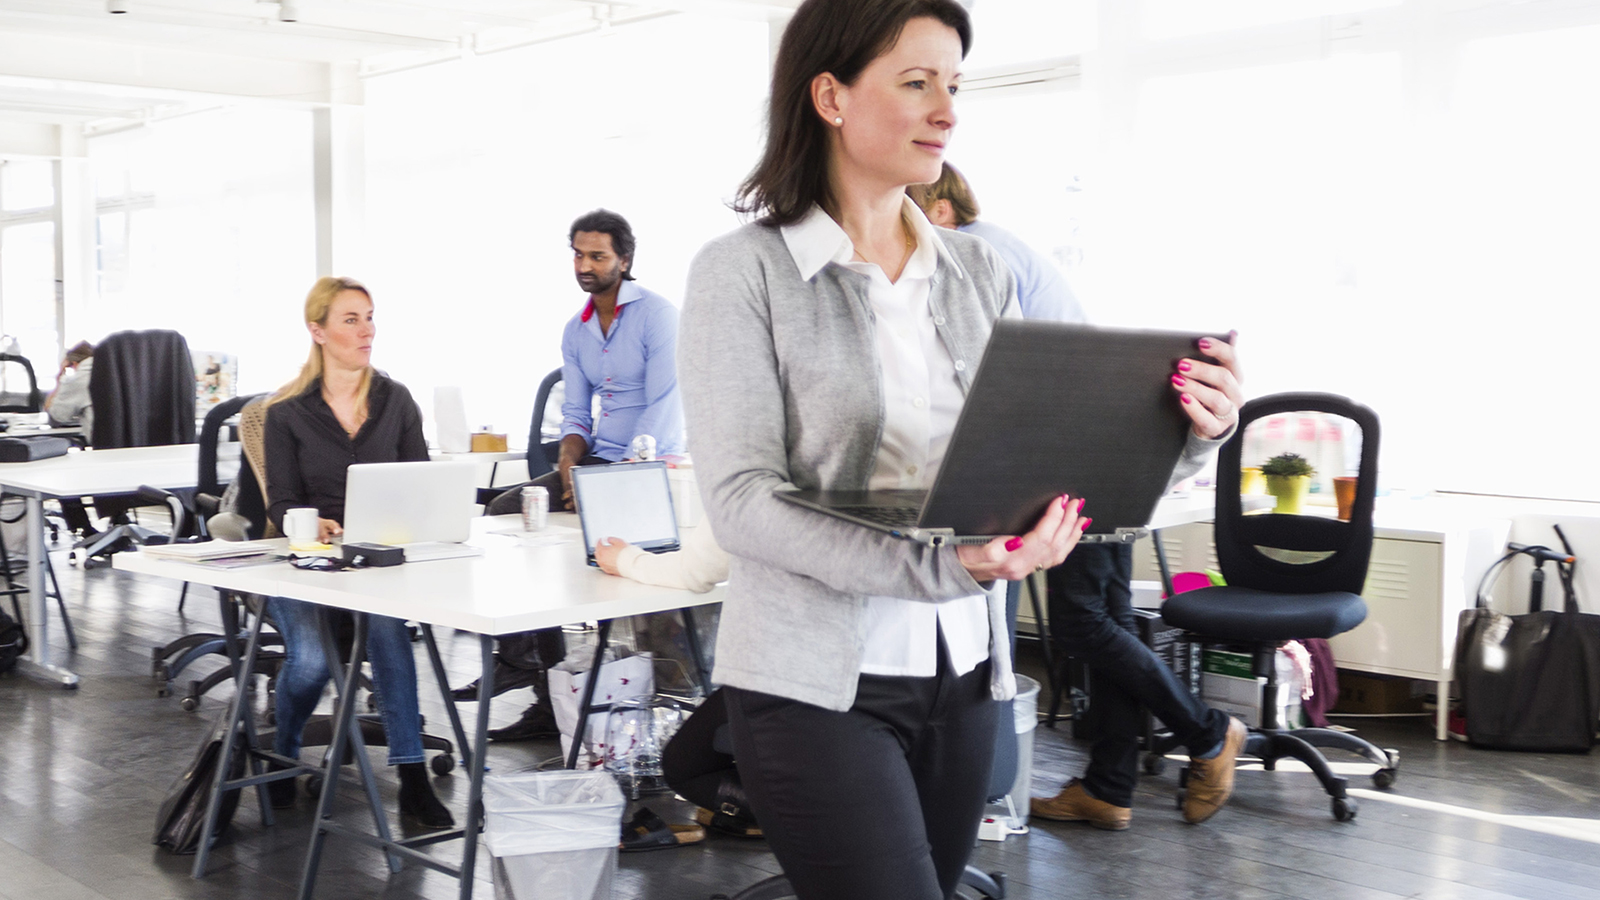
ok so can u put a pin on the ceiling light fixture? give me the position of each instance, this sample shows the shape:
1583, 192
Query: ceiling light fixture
288, 11
116, 7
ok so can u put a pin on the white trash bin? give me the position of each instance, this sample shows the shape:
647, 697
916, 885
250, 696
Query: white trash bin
553, 835
1025, 713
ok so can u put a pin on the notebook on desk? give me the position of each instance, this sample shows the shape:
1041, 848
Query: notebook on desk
424, 508
1055, 408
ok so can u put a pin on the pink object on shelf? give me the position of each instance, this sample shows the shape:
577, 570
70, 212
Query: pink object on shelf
1189, 581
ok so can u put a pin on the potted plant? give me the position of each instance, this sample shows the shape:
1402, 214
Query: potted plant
1288, 478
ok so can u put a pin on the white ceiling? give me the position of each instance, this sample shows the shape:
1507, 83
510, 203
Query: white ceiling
72, 63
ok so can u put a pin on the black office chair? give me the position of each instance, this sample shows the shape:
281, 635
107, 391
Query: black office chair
542, 454
12, 398
170, 660
143, 390
1289, 577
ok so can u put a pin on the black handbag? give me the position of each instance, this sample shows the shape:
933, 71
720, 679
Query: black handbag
183, 812
1530, 682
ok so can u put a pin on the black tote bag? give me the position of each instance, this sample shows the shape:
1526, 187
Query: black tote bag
1530, 682
183, 812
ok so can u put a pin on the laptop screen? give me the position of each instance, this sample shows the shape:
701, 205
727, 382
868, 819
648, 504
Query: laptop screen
631, 501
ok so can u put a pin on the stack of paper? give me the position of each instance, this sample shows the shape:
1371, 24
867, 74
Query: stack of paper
209, 550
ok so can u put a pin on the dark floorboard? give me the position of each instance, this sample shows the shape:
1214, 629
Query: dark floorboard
83, 772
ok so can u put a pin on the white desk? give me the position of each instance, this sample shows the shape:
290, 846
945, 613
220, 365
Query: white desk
521, 583
80, 474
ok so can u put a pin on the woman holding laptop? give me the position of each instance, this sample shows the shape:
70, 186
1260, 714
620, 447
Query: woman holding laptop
834, 340
338, 411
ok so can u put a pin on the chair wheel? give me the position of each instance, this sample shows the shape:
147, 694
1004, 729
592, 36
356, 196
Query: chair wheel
1394, 757
443, 764
189, 704
1384, 778
1344, 808
314, 785
1154, 764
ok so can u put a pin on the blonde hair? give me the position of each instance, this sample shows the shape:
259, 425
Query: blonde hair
950, 186
319, 302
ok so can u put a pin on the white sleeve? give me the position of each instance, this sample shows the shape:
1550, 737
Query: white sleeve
700, 566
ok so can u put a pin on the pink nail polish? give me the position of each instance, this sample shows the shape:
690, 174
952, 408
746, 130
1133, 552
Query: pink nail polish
1065, 500
1087, 523
1013, 545
1184, 366
1186, 398
1179, 380
1205, 344
1080, 505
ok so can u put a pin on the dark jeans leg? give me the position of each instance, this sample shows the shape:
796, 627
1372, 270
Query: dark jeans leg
692, 764
1091, 616
880, 802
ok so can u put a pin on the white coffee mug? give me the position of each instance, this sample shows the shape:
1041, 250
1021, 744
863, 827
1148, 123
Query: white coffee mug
300, 525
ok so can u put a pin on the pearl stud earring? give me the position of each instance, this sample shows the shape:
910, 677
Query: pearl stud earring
838, 120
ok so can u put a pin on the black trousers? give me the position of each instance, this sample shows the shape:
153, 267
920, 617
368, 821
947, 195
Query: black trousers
880, 802
698, 759
1091, 618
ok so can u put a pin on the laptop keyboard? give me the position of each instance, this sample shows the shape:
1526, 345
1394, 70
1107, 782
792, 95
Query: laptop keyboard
893, 516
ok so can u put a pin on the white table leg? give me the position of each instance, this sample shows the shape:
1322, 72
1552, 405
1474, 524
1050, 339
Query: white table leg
1441, 716
36, 663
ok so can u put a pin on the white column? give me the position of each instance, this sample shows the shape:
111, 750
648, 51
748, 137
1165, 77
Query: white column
340, 176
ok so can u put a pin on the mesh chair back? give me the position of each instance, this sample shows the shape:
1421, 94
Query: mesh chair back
1239, 538
253, 438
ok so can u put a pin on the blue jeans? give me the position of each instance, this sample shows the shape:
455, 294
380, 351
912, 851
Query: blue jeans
1091, 617
305, 673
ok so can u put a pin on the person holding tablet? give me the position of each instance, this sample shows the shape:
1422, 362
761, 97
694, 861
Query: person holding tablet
338, 411
833, 342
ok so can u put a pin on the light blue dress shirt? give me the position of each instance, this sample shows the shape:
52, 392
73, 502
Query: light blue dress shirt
633, 371
1042, 292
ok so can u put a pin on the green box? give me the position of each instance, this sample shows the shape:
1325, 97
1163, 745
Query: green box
1224, 662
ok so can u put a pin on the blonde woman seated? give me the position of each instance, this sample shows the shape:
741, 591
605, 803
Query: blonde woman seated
339, 411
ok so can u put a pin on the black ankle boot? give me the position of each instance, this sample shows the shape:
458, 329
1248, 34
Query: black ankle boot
417, 799
280, 793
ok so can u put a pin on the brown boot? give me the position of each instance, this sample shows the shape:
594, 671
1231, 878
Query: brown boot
1074, 804
1211, 780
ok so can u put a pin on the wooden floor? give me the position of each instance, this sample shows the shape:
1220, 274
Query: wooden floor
82, 773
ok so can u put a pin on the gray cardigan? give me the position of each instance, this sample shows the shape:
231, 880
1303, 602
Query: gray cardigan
782, 386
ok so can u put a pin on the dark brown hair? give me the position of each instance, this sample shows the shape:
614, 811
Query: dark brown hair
837, 36
952, 186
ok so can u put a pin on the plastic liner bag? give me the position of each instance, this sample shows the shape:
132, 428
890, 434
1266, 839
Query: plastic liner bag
620, 679
553, 835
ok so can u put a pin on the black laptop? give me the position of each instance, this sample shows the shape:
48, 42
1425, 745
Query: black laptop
1055, 408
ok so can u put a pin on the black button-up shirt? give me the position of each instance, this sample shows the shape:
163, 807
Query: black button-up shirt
308, 450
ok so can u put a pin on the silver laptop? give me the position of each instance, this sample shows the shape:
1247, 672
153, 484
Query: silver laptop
425, 508
632, 501
1054, 409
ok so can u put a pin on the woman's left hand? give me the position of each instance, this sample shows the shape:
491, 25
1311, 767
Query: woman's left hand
1045, 547
606, 551
1209, 391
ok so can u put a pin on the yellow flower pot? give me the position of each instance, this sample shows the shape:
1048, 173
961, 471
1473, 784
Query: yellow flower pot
1291, 492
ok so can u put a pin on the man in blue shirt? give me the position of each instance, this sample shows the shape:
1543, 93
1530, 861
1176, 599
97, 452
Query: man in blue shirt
620, 349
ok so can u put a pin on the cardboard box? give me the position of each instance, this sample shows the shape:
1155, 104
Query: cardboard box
484, 442
1227, 683
1366, 694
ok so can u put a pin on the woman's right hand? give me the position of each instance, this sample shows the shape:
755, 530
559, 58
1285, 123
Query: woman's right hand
327, 529
1045, 547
